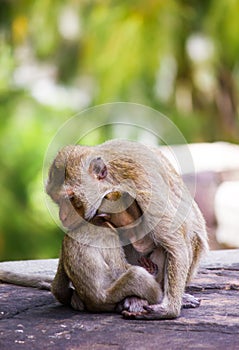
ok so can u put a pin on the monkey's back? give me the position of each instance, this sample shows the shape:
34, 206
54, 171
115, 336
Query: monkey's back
160, 192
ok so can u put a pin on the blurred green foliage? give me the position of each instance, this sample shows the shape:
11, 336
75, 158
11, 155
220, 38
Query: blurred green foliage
59, 57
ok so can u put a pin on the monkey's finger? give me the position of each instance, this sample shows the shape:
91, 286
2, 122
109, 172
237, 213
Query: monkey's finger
127, 314
144, 262
151, 314
155, 270
142, 316
148, 308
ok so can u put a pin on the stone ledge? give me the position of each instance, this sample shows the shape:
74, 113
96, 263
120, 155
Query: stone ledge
32, 319
46, 268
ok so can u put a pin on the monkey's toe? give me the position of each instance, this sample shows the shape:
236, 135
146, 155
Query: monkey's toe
132, 304
189, 301
134, 315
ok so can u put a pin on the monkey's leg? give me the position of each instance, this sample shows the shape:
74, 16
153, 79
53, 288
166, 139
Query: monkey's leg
134, 307
188, 301
132, 303
60, 287
135, 282
62, 290
175, 279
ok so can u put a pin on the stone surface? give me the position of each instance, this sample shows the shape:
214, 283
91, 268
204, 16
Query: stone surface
32, 319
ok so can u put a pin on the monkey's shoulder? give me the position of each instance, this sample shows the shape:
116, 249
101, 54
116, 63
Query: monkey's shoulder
106, 248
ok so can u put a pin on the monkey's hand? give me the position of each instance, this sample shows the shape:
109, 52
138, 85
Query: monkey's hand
131, 305
150, 312
158, 311
149, 265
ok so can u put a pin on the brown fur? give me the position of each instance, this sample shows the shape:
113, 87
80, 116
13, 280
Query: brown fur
158, 220
170, 229
93, 260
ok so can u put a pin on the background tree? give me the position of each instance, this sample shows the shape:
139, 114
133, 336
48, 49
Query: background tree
59, 57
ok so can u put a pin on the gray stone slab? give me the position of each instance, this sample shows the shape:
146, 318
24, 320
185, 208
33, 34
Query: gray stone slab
47, 267
33, 319
216, 259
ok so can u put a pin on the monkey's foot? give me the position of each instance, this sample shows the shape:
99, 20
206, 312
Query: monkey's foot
149, 265
131, 305
151, 312
189, 301
76, 303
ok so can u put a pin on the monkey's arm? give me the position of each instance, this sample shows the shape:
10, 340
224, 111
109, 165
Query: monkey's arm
188, 301
136, 287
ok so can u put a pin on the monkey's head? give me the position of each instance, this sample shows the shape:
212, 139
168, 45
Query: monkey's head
80, 184
90, 185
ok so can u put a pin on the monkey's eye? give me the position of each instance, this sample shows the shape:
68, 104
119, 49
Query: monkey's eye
71, 197
74, 201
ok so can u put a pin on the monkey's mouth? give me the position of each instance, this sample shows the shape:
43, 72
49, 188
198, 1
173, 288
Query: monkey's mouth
101, 219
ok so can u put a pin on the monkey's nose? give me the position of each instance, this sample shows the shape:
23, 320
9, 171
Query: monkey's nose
62, 216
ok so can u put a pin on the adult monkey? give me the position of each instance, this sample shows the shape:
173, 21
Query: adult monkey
161, 222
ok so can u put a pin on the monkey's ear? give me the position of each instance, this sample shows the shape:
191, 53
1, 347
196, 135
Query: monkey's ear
55, 179
97, 168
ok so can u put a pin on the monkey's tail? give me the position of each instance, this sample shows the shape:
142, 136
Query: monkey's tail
26, 280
